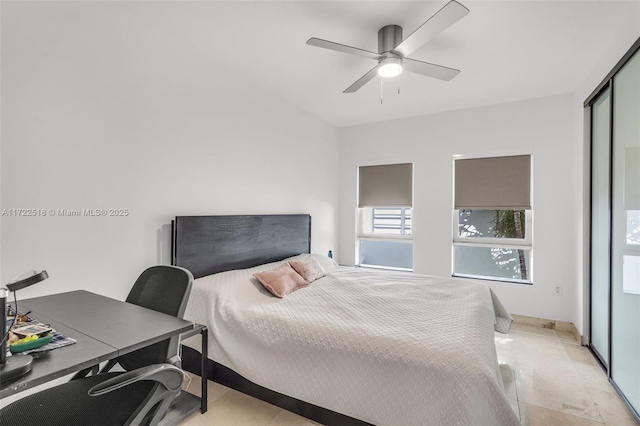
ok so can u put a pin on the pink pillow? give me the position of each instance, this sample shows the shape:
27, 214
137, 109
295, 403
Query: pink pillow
309, 268
281, 281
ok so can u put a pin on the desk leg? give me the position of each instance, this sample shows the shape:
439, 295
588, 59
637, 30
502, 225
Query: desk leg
204, 340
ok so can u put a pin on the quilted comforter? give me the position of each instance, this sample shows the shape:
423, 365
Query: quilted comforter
389, 348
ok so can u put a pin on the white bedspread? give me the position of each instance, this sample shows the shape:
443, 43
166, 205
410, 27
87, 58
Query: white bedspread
387, 348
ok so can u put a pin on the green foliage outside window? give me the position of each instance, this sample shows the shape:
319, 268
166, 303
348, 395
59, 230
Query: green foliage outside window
510, 224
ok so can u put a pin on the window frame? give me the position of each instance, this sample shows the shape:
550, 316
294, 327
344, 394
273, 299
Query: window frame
493, 241
364, 230
496, 242
525, 243
366, 216
362, 235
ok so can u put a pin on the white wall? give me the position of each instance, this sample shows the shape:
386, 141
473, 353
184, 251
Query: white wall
102, 109
627, 33
543, 127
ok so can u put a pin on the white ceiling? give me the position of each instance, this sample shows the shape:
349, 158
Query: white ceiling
506, 50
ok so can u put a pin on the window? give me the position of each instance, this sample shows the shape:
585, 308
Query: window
385, 197
492, 219
492, 244
384, 238
391, 221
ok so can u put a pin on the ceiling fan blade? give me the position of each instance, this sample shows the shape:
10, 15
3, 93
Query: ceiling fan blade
451, 13
362, 80
430, 70
342, 48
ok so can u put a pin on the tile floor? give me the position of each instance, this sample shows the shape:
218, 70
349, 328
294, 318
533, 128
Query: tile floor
549, 378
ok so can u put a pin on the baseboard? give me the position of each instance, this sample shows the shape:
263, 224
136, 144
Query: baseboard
576, 333
547, 323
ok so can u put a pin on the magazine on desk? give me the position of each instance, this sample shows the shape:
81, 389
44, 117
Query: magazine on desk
30, 336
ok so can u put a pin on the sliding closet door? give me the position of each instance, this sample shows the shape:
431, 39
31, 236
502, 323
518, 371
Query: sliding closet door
600, 223
625, 237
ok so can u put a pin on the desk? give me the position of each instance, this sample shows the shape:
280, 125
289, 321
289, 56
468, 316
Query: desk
104, 328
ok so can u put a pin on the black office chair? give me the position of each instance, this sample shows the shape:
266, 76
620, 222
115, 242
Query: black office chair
139, 396
164, 289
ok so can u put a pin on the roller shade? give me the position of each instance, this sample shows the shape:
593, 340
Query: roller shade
495, 183
389, 185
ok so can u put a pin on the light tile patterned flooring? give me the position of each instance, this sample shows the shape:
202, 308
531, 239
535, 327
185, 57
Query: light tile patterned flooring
548, 377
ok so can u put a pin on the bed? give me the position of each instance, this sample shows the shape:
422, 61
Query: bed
357, 346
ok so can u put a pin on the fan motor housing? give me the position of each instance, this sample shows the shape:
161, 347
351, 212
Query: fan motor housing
389, 37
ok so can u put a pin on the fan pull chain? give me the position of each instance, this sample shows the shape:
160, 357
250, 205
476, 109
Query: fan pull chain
381, 82
399, 83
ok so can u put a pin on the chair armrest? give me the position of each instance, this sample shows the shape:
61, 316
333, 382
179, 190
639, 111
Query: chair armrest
169, 376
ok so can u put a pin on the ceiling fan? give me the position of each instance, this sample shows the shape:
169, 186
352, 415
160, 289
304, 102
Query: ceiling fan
393, 50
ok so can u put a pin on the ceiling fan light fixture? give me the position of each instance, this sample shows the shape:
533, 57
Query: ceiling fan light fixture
393, 51
390, 67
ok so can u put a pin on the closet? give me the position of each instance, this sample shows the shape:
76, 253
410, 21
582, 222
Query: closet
614, 336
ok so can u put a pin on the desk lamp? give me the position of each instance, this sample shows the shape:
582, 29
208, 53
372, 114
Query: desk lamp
16, 365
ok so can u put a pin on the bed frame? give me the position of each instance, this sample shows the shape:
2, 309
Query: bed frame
207, 245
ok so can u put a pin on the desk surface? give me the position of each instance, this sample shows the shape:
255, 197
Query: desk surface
123, 326
103, 327
86, 352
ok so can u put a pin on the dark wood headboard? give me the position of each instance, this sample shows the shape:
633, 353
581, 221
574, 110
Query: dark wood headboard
207, 245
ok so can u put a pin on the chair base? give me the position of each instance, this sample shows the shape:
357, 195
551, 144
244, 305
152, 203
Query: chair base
182, 407
16, 366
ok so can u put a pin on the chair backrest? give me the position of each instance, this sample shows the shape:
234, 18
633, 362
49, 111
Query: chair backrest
164, 289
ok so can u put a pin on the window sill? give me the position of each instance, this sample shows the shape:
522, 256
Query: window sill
386, 268
510, 243
386, 237
494, 279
